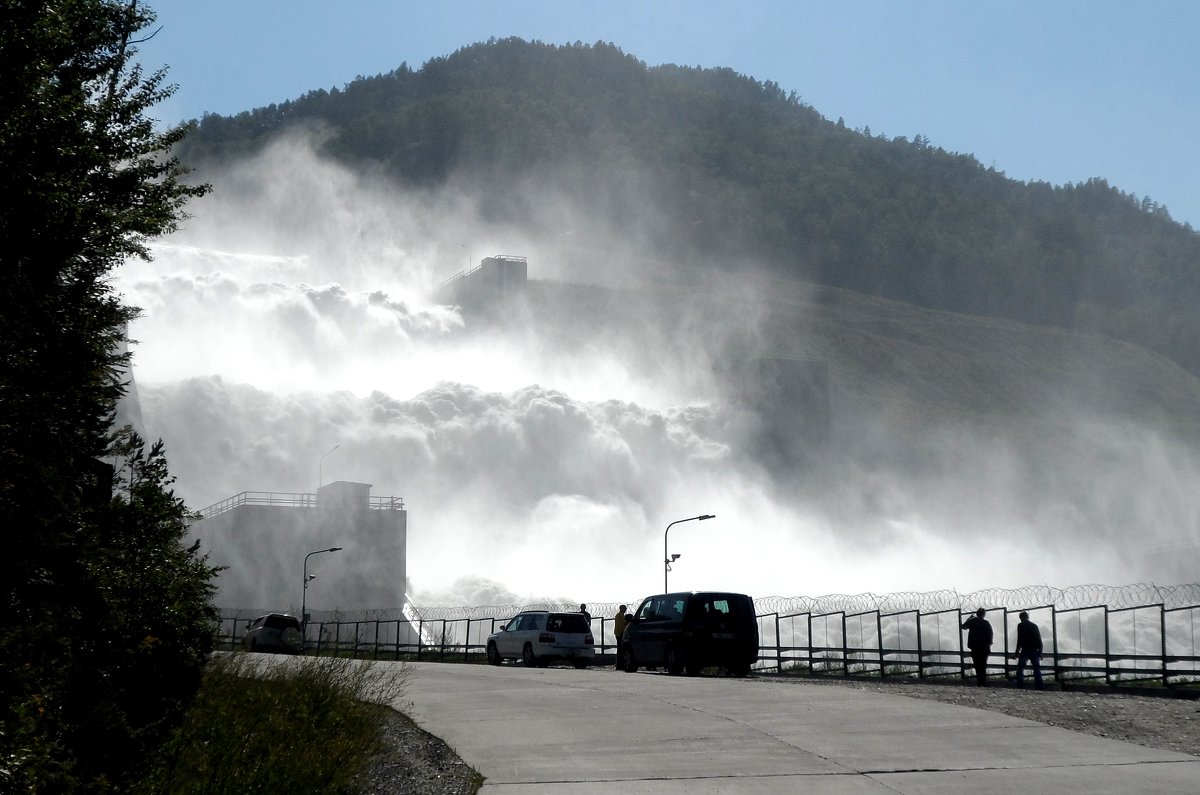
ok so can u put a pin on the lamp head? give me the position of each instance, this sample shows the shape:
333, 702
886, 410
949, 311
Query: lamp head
707, 516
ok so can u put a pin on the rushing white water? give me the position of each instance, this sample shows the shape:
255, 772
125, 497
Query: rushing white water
290, 316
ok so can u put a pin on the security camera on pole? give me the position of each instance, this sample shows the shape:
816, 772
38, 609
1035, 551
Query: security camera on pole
304, 593
668, 559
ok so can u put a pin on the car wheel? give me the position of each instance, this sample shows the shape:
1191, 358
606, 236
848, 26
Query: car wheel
674, 662
693, 670
493, 655
581, 664
628, 661
740, 670
527, 656
253, 645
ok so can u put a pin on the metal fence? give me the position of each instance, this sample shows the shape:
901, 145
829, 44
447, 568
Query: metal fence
916, 636
1099, 644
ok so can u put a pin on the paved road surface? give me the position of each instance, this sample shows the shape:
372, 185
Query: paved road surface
559, 730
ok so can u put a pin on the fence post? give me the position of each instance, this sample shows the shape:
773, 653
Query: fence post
808, 639
962, 662
420, 636
1162, 634
442, 650
879, 637
845, 649
778, 647
396, 653
1004, 614
1107, 651
920, 648
1054, 643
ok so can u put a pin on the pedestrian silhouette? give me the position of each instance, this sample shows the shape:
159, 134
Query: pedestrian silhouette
979, 641
619, 629
1029, 650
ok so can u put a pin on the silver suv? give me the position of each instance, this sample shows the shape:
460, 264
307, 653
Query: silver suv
538, 637
274, 632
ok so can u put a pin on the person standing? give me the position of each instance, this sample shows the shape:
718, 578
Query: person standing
619, 629
979, 641
586, 614
1029, 650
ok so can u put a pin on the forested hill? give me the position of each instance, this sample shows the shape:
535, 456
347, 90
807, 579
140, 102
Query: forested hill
739, 171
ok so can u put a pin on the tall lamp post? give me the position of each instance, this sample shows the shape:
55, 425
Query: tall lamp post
304, 593
667, 558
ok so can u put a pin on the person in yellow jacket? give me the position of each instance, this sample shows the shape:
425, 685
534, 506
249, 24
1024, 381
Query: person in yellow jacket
619, 629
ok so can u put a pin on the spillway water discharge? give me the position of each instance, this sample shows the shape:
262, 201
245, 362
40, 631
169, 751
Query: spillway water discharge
542, 457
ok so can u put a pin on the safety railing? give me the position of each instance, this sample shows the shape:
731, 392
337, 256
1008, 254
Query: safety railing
288, 499
1145, 645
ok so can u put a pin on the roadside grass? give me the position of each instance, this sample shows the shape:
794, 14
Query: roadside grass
292, 725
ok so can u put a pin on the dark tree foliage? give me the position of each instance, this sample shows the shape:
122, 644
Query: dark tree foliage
107, 618
737, 170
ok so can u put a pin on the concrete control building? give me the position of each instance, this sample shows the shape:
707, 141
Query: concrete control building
263, 537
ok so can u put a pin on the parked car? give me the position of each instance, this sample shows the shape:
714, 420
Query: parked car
692, 631
539, 637
274, 632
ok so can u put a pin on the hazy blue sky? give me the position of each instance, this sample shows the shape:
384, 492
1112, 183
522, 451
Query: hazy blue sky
1055, 91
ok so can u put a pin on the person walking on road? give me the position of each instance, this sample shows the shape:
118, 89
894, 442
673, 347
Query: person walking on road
1029, 650
979, 641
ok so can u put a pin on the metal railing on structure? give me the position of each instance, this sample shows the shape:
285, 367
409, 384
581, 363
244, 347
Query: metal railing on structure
288, 499
460, 275
915, 635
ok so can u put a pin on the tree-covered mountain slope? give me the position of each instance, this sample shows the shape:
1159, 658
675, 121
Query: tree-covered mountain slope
705, 165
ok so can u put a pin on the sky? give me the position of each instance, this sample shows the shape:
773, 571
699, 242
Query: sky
1056, 92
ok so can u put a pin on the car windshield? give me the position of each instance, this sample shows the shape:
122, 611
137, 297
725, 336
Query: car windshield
567, 622
280, 622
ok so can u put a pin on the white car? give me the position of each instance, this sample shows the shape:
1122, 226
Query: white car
274, 632
539, 637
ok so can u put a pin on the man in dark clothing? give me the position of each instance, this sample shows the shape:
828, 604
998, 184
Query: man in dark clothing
1029, 649
979, 641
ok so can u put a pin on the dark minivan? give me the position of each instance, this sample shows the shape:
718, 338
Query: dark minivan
691, 631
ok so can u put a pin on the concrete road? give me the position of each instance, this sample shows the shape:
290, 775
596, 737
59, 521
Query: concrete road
559, 730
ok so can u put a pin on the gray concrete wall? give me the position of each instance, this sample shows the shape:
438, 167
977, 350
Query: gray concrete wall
264, 546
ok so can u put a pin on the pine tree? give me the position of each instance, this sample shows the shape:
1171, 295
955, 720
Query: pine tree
97, 585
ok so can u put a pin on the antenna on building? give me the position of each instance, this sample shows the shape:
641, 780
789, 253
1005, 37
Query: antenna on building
321, 462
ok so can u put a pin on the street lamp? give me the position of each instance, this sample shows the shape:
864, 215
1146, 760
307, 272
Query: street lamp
304, 593
668, 559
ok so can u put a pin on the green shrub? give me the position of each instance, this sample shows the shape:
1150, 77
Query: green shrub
288, 725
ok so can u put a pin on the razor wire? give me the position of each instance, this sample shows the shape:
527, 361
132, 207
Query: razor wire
1012, 599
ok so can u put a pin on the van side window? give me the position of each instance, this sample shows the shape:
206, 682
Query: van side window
651, 610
